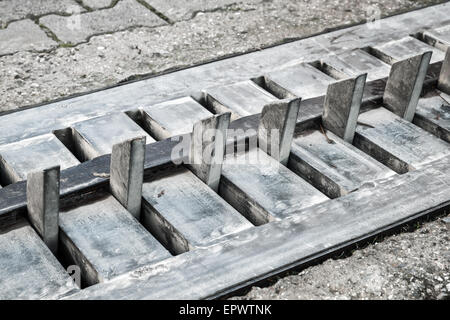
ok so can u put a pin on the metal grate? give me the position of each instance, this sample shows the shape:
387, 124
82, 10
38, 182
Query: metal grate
362, 118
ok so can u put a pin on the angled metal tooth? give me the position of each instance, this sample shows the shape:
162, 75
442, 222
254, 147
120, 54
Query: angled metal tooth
208, 148
127, 173
173, 117
342, 105
242, 99
444, 76
404, 85
43, 204
276, 128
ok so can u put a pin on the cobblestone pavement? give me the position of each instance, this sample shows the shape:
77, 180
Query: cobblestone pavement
55, 48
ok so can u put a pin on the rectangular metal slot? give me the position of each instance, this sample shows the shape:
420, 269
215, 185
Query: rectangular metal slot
96, 136
397, 50
329, 70
184, 213
355, 62
397, 143
332, 165
264, 190
174, 117
242, 99
302, 80
438, 37
105, 240
433, 115
19, 158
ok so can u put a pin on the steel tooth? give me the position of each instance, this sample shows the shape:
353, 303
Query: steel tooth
208, 148
276, 128
43, 204
342, 105
404, 85
127, 173
444, 76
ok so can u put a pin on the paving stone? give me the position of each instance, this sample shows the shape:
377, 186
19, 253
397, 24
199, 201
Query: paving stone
79, 28
446, 222
24, 35
20, 9
184, 10
97, 4
37, 153
29, 269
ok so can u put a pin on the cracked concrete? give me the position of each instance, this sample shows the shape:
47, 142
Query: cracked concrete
177, 10
97, 4
79, 28
24, 35
12, 10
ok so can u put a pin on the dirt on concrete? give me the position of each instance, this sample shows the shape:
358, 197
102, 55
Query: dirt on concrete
408, 265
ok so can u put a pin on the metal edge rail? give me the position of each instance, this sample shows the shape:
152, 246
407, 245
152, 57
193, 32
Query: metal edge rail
252, 255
